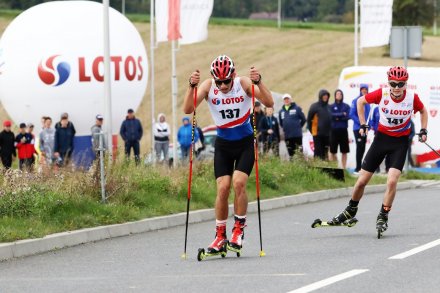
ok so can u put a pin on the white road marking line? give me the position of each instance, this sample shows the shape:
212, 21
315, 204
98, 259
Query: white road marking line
328, 281
416, 250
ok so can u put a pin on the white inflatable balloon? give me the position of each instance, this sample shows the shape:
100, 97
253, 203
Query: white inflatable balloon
51, 62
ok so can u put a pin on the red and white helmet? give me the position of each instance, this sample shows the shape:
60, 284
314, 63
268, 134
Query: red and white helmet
222, 67
397, 73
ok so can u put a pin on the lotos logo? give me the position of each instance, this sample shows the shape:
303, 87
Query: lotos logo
51, 76
216, 101
385, 110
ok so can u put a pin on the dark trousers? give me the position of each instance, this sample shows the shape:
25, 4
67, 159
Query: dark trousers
26, 164
7, 161
321, 144
271, 145
185, 152
361, 141
136, 148
293, 144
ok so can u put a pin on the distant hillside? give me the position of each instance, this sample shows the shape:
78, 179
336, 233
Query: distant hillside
299, 62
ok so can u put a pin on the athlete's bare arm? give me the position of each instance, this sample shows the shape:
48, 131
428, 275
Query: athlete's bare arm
262, 93
202, 92
361, 102
424, 121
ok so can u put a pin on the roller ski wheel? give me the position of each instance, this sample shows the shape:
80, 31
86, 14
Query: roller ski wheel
234, 248
318, 223
381, 224
202, 254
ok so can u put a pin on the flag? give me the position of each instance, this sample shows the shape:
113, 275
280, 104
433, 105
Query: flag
376, 21
173, 20
186, 20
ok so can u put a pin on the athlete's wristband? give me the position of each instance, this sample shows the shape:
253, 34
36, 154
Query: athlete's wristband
256, 82
365, 127
193, 85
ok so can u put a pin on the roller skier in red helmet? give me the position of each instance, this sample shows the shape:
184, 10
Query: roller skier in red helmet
229, 101
396, 105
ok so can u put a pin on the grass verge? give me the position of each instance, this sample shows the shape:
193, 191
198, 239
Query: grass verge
35, 205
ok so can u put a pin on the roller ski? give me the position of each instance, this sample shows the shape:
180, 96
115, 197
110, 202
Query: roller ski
217, 247
236, 242
381, 224
346, 219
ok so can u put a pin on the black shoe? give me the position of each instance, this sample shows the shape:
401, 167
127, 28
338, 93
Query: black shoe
346, 214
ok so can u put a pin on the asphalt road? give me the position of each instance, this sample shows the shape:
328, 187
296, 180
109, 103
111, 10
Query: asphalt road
337, 259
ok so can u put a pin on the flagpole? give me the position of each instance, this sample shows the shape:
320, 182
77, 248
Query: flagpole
356, 31
152, 47
174, 100
107, 79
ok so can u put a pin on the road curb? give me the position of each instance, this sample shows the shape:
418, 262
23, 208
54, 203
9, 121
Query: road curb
71, 238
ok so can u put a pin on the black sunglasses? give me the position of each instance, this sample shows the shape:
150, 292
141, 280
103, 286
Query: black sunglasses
397, 84
226, 82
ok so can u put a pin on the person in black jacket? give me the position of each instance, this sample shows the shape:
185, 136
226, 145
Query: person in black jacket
131, 132
292, 120
319, 121
63, 146
7, 147
270, 132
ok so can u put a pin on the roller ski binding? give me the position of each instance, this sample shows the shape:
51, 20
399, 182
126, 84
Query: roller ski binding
217, 247
346, 218
381, 224
236, 242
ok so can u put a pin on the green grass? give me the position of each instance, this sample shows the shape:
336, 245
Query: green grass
36, 205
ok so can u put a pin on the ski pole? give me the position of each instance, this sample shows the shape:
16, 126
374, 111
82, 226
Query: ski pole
190, 170
437, 153
257, 182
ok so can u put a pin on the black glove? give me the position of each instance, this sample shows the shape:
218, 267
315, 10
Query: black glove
365, 128
422, 132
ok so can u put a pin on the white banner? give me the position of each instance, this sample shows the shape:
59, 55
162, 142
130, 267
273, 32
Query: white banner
194, 18
376, 21
422, 80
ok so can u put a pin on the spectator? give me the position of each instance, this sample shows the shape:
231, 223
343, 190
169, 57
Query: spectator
25, 148
360, 140
258, 115
98, 134
161, 138
270, 132
374, 123
410, 140
7, 146
69, 124
339, 133
47, 142
131, 132
200, 146
63, 145
319, 121
30, 130
292, 120
184, 137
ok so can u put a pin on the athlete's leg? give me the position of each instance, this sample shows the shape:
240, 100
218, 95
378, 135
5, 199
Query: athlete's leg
390, 193
359, 187
221, 201
239, 181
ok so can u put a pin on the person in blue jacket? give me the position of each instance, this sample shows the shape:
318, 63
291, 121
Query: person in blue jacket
131, 132
339, 133
361, 141
184, 137
292, 120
